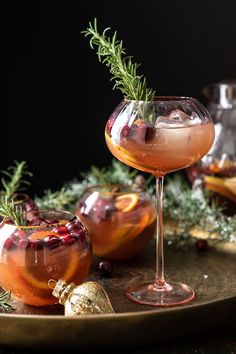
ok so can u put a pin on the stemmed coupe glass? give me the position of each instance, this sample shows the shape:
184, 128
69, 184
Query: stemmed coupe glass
160, 136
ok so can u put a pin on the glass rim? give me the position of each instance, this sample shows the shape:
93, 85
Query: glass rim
73, 217
130, 190
164, 98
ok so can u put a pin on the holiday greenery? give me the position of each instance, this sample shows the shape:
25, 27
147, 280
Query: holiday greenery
5, 297
111, 52
13, 179
184, 206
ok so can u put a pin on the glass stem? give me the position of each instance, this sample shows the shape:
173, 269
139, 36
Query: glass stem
160, 280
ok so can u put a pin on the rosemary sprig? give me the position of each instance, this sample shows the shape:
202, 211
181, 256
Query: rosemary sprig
14, 181
9, 210
111, 52
5, 297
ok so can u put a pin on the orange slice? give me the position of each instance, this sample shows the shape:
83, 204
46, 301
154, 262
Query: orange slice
70, 269
221, 186
41, 234
126, 202
123, 235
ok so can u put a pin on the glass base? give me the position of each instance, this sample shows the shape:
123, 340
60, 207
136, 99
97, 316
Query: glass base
169, 294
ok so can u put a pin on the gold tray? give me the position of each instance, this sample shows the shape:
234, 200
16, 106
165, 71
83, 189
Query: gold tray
211, 274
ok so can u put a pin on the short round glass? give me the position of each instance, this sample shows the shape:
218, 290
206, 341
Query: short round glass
159, 137
54, 245
120, 219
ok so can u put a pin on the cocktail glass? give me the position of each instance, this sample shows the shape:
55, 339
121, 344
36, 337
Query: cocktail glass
159, 137
54, 245
120, 219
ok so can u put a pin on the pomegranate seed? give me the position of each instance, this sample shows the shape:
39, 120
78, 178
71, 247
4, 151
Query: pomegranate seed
71, 226
52, 241
37, 244
60, 230
24, 244
8, 243
68, 240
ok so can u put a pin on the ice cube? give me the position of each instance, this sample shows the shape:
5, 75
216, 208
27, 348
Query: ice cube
177, 119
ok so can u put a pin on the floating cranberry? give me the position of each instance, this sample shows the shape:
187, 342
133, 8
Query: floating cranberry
24, 244
8, 243
52, 221
105, 268
52, 242
62, 230
150, 134
201, 245
68, 240
37, 244
9, 221
77, 233
36, 222
72, 225
109, 124
30, 206
125, 131
19, 234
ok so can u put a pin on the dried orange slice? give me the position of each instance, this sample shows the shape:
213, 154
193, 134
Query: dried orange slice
126, 202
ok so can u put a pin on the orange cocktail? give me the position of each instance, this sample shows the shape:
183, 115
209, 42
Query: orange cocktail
120, 220
54, 245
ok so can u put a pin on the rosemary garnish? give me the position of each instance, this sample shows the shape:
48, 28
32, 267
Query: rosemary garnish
14, 181
111, 52
10, 211
5, 297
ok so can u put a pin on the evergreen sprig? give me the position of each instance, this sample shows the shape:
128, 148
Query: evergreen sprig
14, 181
187, 207
5, 297
111, 52
10, 211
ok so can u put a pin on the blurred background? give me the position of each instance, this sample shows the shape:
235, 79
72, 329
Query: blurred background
56, 97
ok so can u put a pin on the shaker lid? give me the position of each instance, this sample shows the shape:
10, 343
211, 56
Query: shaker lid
222, 93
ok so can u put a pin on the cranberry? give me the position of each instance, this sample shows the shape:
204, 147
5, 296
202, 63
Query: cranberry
8, 243
24, 244
77, 233
52, 242
36, 222
125, 131
201, 245
68, 240
9, 221
30, 206
72, 225
52, 221
150, 134
109, 124
37, 244
19, 234
62, 230
105, 268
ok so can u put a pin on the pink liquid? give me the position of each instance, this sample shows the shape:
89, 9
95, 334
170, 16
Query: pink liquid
168, 150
